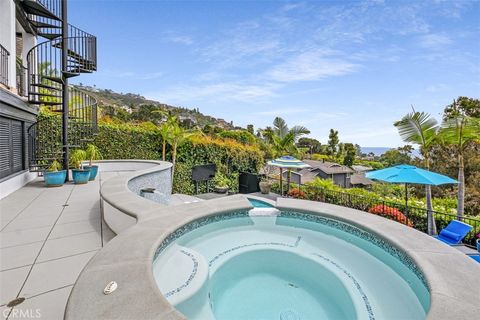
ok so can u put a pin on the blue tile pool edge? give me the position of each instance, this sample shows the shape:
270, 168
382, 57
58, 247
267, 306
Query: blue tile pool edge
383, 244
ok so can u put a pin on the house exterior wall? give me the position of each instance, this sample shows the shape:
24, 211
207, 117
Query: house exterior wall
7, 36
16, 115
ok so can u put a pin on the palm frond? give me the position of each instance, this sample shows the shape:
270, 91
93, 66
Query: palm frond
418, 127
299, 131
280, 127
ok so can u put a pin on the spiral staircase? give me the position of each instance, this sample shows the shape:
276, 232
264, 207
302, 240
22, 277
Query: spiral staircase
72, 113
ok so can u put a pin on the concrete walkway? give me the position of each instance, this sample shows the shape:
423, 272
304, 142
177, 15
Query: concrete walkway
47, 236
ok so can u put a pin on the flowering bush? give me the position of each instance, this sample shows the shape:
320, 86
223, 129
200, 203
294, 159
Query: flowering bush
390, 212
296, 193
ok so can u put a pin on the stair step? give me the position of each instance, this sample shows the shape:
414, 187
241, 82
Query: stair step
44, 94
50, 36
40, 24
74, 55
47, 103
54, 79
68, 74
35, 8
41, 85
80, 70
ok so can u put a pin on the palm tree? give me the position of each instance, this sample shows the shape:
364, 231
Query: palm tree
165, 131
421, 129
282, 138
458, 131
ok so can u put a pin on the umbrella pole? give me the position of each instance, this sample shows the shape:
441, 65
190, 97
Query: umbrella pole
281, 182
406, 201
288, 180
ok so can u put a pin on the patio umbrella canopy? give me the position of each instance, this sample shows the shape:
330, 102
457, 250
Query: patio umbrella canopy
408, 174
287, 162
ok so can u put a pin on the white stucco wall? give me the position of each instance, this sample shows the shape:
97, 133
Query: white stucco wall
7, 35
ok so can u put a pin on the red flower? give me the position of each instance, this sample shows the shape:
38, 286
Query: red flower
393, 213
296, 193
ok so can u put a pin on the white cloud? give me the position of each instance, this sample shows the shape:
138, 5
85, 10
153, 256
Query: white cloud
174, 37
215, 92
281, 111
310, 66
434, 41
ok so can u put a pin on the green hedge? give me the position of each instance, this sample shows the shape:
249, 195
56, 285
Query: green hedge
121, 141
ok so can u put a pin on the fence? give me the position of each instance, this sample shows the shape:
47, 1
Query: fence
413, 217
4, 65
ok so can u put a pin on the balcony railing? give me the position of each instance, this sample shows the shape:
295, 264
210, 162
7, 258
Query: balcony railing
4, 54
21, 79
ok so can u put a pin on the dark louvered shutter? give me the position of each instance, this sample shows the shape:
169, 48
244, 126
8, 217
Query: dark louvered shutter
4, 147
11, 146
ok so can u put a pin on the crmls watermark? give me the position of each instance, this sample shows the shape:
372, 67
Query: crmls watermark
22, 313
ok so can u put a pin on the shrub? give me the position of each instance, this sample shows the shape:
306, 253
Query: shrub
296, 193
391, 213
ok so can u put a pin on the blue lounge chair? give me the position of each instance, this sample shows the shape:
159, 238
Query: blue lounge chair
475, 257
454, 232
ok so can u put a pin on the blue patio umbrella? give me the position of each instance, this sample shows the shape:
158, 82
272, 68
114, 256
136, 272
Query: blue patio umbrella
408, 174
287, 162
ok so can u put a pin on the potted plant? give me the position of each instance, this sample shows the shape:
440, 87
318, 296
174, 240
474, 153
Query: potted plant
265, 185
79, 174
222, 183
92, 153
478, 242
54, 176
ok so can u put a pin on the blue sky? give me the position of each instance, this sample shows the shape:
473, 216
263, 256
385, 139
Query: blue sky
356, 66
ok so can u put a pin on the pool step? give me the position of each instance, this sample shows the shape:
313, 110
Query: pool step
180, 272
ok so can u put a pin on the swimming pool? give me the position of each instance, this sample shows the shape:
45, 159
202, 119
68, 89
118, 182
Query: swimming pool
292, 266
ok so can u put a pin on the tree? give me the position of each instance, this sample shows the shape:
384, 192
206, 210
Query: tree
458, 131
401, 155
350, 153
463, 106
332, 143
421, 129
250, 128
165, 130
282, 138
313, 145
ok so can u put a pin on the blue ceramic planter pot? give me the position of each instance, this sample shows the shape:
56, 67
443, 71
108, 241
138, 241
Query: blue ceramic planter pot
80, 176
93, 171
54, 178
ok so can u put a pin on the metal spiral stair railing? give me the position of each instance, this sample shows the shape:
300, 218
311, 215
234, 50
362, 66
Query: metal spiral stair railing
48, 72
45, 136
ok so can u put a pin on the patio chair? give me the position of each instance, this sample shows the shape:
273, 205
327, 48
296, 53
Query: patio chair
454, 232
475, 257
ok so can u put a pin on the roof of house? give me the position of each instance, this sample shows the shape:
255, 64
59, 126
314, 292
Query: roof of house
360, 168
359, 178
328, 167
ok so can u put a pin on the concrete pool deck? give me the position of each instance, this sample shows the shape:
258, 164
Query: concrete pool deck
47, 236
453, 278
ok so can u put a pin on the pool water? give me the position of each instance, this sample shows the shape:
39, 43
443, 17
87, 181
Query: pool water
259, 203
287, 267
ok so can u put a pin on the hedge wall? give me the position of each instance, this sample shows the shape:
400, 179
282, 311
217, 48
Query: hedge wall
122, 141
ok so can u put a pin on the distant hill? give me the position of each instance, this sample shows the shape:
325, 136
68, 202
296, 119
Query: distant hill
378, 151
130, 102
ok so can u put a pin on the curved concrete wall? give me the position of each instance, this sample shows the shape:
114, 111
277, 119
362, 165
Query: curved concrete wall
120, 196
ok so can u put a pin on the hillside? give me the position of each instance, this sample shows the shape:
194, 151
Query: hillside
131, 106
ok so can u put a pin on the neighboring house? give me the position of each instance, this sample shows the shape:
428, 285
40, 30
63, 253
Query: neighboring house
340, 174
35, 65
358, 180
359, 168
